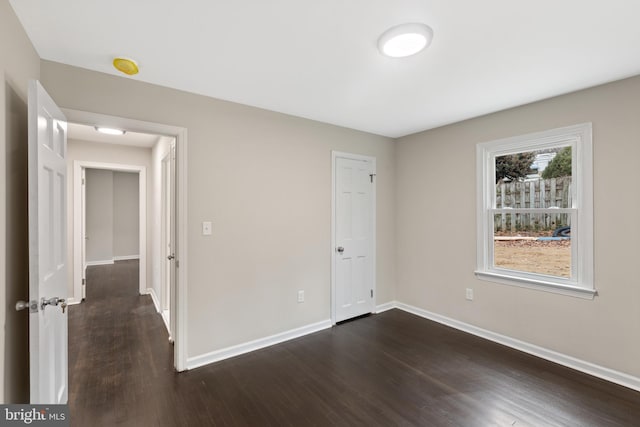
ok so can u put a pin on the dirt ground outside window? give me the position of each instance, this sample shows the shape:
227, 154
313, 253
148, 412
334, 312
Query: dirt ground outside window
534, 256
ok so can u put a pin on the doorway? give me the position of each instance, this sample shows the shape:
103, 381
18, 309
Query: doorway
353, 226
174, 299
89, 246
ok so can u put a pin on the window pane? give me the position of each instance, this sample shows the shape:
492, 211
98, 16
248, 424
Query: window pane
534, 179
534, 243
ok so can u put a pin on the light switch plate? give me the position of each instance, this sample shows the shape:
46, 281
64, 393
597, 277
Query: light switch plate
206, 228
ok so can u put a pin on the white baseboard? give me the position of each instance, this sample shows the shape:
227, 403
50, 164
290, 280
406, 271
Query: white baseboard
125, 257
165, 318
562, 359
236, 350
386, 306
154, 297
102, 262
111, 261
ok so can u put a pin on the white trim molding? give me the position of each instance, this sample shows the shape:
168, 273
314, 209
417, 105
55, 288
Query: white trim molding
111, 261
156, 302
126, 257
598, 371
165, 318
237, 350
386, 306
92, 263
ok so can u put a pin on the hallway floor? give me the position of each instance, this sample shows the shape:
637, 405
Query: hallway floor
390, 369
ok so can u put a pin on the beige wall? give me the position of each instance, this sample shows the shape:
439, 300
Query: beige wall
103, 153
126, 214
19, 62
99, 215
112, 215
436, 229
264, 180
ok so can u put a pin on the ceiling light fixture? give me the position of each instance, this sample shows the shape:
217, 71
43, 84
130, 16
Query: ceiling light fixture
110, 131
405, 40
126, 65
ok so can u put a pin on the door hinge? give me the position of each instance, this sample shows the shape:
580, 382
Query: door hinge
177, 264
371, 293
371, 175
82, 181
83, 281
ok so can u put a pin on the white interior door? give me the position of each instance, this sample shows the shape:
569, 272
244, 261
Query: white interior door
83, 230
354, 225
172, 241
168, 240
47, 248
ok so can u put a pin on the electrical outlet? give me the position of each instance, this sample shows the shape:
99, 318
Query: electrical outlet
206, 228
469, 294
300, 296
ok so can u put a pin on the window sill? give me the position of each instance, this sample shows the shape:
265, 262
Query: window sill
541, 285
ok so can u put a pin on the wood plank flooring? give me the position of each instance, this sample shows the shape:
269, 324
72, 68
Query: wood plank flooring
391, 369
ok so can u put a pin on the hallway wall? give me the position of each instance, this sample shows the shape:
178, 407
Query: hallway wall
112, 215
126, 215
99, 216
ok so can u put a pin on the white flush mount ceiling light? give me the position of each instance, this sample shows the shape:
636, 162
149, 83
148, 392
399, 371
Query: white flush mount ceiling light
110, 131
405, 40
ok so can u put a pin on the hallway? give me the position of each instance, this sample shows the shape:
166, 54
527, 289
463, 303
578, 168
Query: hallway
117, 355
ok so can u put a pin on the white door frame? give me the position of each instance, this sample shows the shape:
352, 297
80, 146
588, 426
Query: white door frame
180, 134
334, 156
79, 212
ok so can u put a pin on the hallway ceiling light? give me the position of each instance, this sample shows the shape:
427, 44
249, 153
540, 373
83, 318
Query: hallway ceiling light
405, 40
126, 65
110, 131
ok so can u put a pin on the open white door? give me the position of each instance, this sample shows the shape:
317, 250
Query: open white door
47, 248
83, 228
169, 239
172, 241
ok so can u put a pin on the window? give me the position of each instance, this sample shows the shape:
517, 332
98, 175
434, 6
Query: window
535, 211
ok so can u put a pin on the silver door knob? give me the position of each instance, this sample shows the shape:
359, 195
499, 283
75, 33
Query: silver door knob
340, 249
31, 305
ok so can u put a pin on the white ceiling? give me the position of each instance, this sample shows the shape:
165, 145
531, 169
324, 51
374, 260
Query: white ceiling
89, 133
318, 59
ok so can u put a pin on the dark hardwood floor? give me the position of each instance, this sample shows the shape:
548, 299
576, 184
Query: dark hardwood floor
391, 369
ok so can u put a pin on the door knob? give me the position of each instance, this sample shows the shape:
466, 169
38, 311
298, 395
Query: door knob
31, 305
340, 249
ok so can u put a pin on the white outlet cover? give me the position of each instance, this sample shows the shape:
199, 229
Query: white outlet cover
469, 294
206, 228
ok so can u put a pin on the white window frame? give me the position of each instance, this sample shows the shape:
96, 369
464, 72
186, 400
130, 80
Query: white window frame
579, 137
